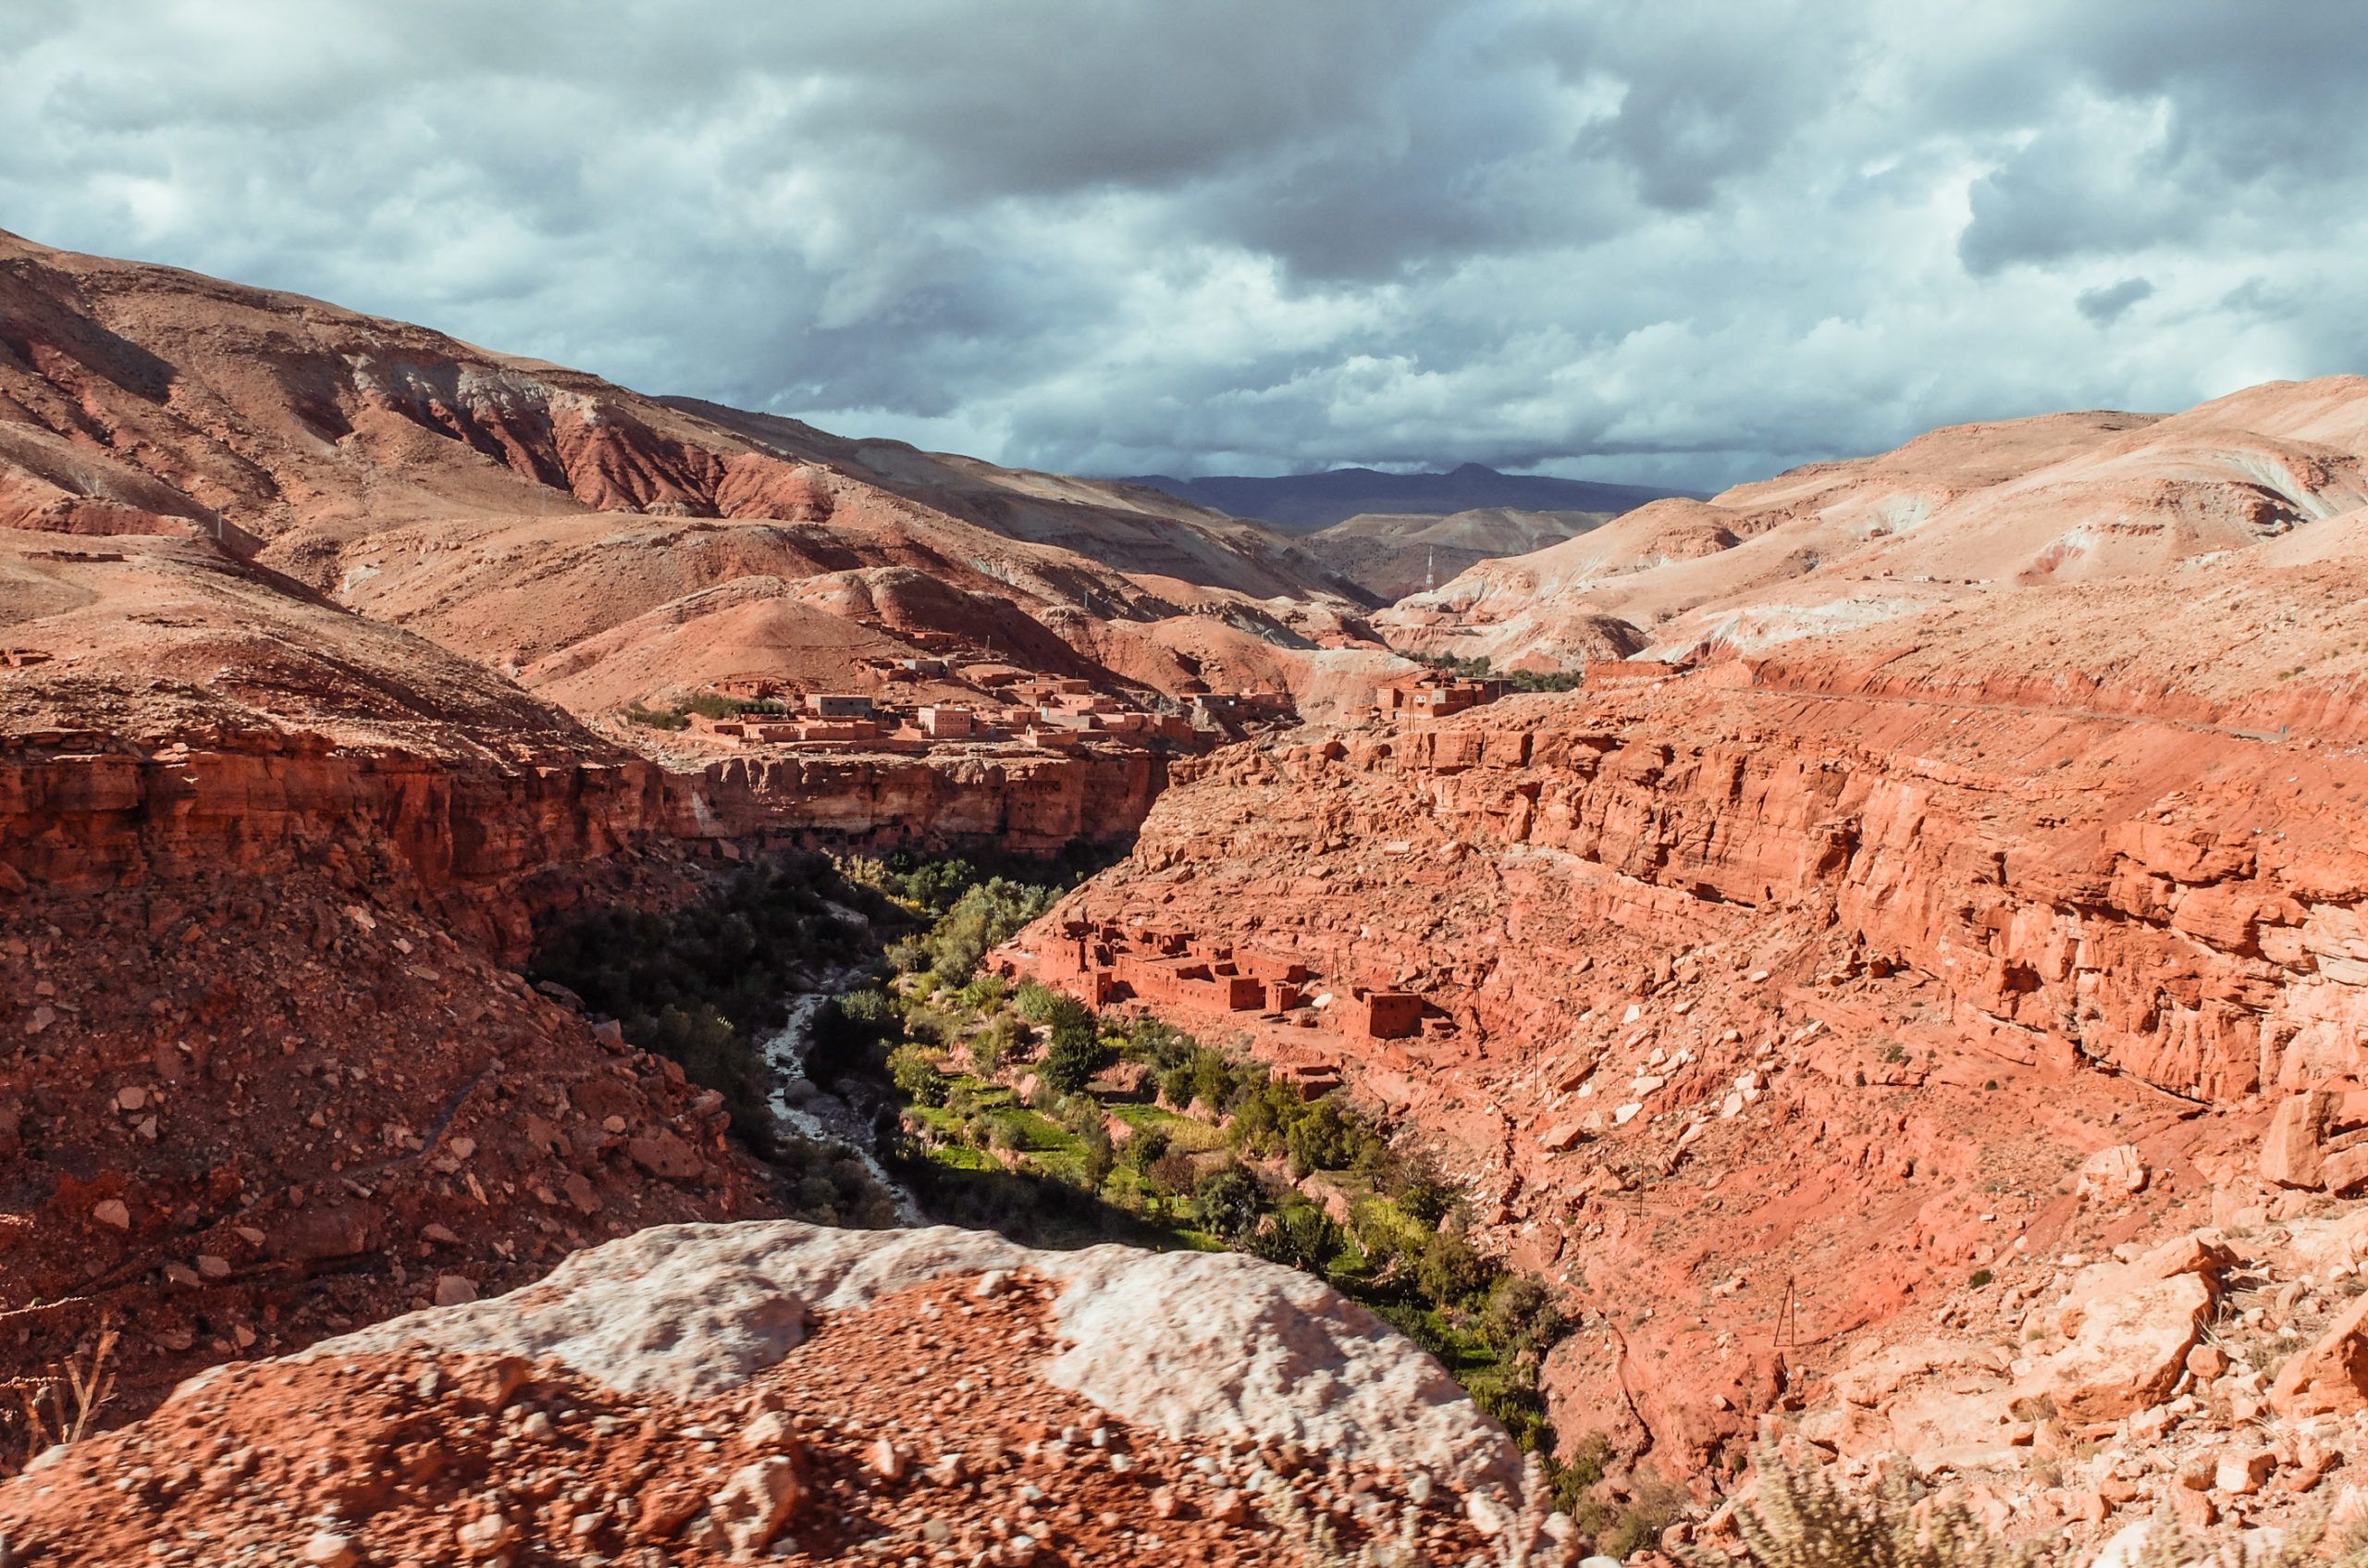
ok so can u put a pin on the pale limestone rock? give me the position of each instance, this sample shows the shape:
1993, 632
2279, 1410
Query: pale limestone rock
1193, 1345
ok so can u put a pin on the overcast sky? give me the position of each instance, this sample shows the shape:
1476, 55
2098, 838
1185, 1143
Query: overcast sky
1658, 242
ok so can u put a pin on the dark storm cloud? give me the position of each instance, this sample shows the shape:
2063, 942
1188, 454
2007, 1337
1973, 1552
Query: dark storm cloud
1680, 241
2111, 303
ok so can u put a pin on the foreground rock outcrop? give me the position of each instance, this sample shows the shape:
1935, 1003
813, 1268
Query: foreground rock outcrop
711, 1394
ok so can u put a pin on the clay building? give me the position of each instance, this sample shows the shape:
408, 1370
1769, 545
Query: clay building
943, 721
1163, 969
1237, 707
1429, 697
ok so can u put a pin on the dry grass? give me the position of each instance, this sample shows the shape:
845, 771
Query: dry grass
59, 1408
1804, 1520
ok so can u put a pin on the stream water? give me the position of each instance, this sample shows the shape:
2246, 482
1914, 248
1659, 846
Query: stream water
802, 1108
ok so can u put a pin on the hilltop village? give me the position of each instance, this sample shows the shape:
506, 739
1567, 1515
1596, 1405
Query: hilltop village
1006, 708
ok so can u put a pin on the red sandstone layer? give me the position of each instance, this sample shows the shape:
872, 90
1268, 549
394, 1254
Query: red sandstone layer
1774, 1010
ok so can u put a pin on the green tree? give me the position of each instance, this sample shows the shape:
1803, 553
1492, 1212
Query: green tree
912, 1071
998, 1042
1323, 1139
1145, 1148
1449, 1269
1299, 1234
1101, 1156
1230, 1202
1077, 1051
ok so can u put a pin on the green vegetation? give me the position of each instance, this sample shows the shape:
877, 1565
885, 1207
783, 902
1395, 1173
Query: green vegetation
703, 983
707, 704
1479, 670
1019, 1110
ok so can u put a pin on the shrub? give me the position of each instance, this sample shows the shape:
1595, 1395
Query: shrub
934, 1025
1653, 1506
50, 1419
1081, 1114
1163, 1045
1427, 1200
1803, 1520
1301, 1234
1039, 1002
657, 718
1076, 1054
1449, 1269
1324, 1138
1214, 1081
985, 916
1172, 1173
1145, 1148
1175, 1085
1511, 1395
1100, 1155
1230, 1202
999, 1042
984, 995
1519, 1320
912, 1071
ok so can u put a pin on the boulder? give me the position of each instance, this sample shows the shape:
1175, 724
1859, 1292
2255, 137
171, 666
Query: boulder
664, 1155
2130, 1348
2116, 1172
1194, 1345
756, 1503
2332, 1375
2196, 1253
2290, 1154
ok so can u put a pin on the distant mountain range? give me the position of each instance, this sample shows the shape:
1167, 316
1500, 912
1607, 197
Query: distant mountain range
1304, 503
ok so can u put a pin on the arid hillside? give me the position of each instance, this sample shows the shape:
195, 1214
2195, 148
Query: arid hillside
1394, 554
1959, 515
1908, 1004
584, 538
1837, 1020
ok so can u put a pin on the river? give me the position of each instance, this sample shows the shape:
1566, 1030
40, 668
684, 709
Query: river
802, 1108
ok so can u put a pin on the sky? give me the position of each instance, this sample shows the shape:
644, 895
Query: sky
1664, 243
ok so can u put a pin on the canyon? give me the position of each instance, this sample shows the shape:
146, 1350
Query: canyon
1767, 999
1906, 1001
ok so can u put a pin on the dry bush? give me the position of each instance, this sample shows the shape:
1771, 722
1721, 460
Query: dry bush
59, 1408
1804, 1520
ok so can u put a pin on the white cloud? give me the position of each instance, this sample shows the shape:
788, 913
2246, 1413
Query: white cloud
1683, 241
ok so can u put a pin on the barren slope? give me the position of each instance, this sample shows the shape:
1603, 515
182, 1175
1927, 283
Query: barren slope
1394, 554
503, 507
1785, 996
1958, 514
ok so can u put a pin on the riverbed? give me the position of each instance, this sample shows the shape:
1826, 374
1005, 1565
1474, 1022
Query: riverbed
802, 1108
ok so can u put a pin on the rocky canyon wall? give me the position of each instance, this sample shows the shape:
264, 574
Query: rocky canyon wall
78, 815
1761, 1015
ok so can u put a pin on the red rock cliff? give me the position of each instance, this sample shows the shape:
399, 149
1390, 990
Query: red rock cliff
1776, 1010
